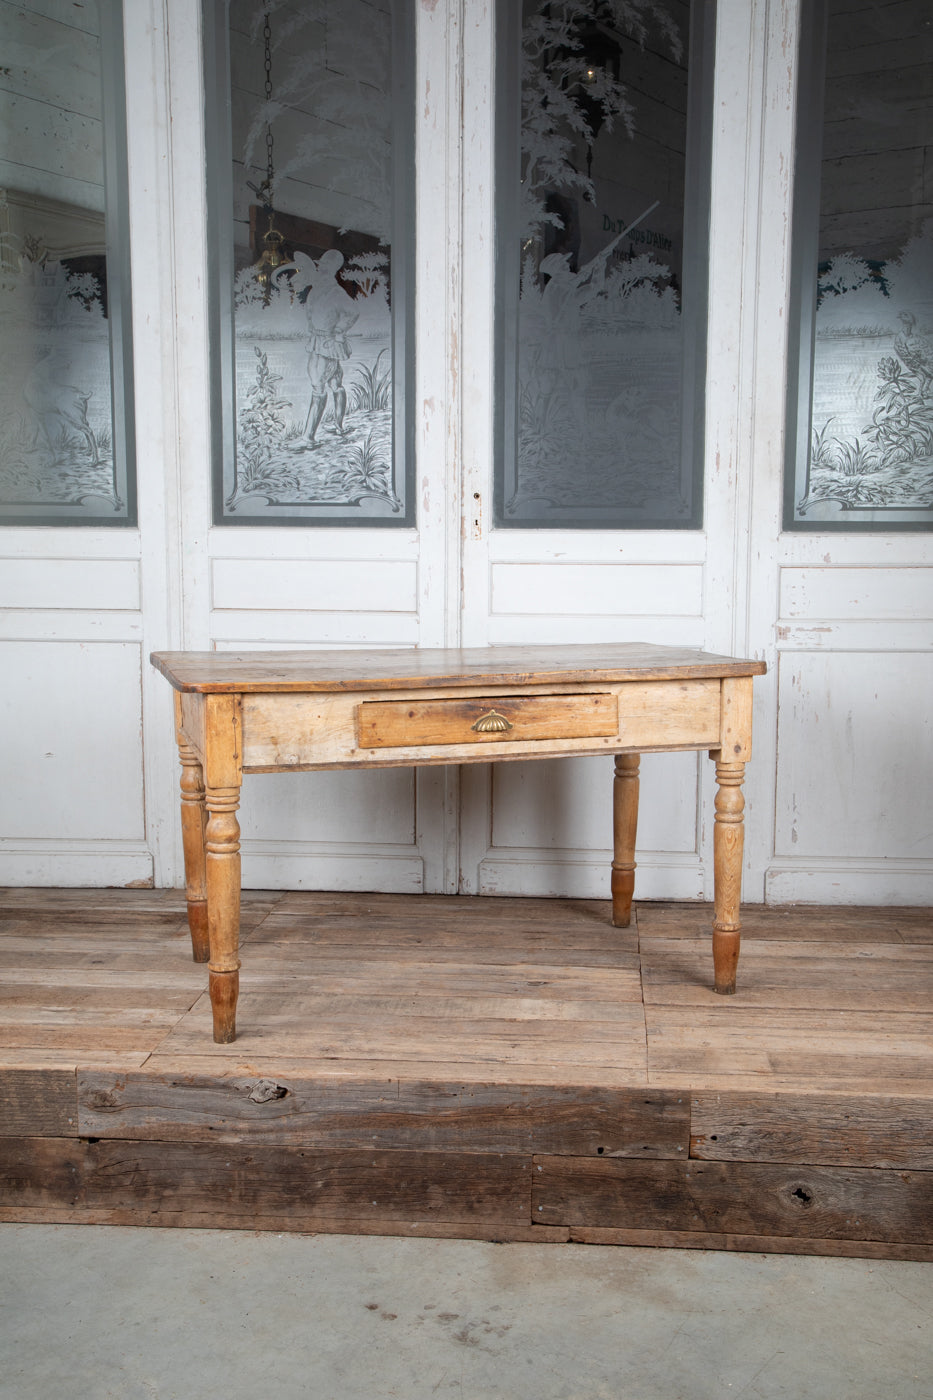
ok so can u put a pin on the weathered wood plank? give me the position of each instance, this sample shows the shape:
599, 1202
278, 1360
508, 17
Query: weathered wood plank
278, 1184
97, 926
817, 960
799, 922
107, 1008
101, 923
47, 898
848, 1082
425, 953
823, 1129
426, 1010
38, 1103
747, 1198
63, 952
174, 987
484, 935
287, 1183
37, 1173
421, 1115
408, 669
748, 1244
268, 1028
442, 909
552, 1074
694, 1043
542, 981
495, 1232
82, 896
84, 1044
676, 972
29, 1057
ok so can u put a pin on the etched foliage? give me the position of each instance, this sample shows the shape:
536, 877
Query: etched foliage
598, 418
872, 419
861, 445
58, 463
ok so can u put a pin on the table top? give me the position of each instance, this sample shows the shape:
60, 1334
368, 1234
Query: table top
410, 668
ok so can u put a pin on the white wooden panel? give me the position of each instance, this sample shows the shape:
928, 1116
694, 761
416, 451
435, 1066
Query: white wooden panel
314, 629
331, 830
568, 804
854, 593
70, 730
606, 590
66, 542
863, 635
883, 882
320, 585
551, 829
69, 583
586, 875
349, 807
89, 863
54, 624
517, 630
855, 750
266, 542
597, 547
864, 551
301, 867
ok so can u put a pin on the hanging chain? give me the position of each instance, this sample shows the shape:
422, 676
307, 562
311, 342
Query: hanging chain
270, 168
273, 254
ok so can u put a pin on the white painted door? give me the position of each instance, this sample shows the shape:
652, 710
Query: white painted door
545, 829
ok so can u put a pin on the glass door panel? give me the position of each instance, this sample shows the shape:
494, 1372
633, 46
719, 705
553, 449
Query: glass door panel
312, 187
65, 370
601, 257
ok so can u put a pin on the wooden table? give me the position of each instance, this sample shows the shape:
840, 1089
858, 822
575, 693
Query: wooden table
282, 711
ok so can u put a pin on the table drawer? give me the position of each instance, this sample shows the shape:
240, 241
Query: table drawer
393, 724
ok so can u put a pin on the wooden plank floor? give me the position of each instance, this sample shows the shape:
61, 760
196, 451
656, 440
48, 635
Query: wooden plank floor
488, 1068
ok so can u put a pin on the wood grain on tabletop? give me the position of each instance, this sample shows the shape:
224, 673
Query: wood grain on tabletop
413, 668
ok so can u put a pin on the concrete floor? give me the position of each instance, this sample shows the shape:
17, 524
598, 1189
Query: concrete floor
93, 1312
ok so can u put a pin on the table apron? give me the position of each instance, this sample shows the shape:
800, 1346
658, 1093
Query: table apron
288, 732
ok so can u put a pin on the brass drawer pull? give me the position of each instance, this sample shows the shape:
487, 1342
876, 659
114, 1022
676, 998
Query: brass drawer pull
492, 723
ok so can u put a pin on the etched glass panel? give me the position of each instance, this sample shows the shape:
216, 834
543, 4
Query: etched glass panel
861, 429
65, 380
314, 279
602, 144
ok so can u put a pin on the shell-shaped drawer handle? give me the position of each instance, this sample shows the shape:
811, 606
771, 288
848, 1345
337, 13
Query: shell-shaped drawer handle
492, 723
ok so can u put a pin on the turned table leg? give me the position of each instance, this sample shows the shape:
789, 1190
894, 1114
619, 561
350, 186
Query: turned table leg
728, 841
193, 822
223, 904
624, 829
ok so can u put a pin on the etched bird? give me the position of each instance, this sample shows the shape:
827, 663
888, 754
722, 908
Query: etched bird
915, 351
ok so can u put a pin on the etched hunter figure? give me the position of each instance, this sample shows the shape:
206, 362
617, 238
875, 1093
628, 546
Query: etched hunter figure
331, 316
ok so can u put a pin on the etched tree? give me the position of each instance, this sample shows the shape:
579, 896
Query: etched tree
568, 98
